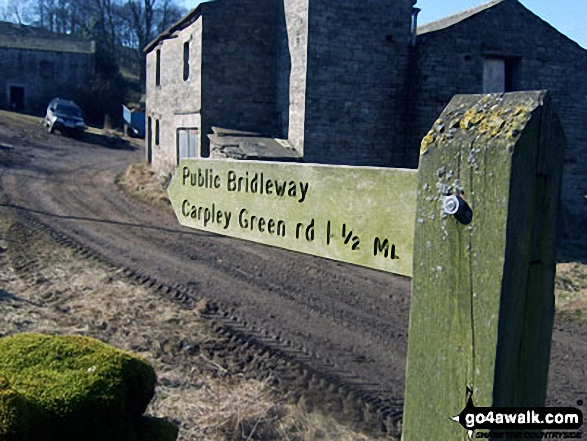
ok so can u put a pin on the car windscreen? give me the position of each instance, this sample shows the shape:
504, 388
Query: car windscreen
66, 110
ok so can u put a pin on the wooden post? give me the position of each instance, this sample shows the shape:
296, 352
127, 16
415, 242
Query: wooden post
482, 294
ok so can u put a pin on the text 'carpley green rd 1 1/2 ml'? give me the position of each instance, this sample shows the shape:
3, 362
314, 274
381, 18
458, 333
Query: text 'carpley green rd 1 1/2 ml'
359, 215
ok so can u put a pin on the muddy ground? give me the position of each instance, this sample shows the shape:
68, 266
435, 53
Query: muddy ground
46, 287
349, 322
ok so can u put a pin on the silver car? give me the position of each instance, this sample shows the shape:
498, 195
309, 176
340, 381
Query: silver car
65, 116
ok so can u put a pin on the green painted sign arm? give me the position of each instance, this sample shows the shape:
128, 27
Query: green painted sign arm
359, 215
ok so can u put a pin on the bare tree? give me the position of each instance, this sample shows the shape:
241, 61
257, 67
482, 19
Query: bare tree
142, 15
17, 12
47, 12
146, 19
111, 23
167, 14
151, 17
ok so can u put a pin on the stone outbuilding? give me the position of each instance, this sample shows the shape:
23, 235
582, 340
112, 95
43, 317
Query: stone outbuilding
321, 82
215, 67
350, 82
500, 47
37, 65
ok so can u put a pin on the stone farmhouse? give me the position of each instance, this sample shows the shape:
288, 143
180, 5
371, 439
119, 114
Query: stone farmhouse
37, 65
349, 82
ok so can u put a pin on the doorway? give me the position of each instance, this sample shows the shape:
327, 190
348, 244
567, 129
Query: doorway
16, 99
187, 143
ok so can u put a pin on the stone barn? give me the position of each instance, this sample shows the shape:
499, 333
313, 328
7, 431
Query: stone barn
350, 82
215, 67
324, 82
500, 47
37, 65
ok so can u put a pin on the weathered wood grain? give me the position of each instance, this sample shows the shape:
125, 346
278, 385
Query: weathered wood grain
482, 294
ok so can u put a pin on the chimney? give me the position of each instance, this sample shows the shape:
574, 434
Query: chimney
414, 30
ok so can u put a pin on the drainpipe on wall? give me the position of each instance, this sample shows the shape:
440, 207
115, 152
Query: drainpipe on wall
414, 30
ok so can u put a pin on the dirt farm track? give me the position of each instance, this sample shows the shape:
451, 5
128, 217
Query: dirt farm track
346, 326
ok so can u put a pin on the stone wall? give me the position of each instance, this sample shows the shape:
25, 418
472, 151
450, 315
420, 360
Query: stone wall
176, 102
358, 56
292, 61
231, 82
43, 75
340, 81
450, 61
239, 66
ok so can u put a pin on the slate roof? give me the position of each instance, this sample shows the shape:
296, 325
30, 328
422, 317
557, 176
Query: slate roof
236, 144
17, 36
182, 23
446, 22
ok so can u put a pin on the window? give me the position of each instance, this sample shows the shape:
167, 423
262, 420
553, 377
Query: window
20, 64
149, 140
158, 68
186, 60
499, 74
493, 75
156, 132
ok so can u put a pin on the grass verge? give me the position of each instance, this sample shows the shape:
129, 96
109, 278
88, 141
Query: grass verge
140, 181
47, 288
571, 291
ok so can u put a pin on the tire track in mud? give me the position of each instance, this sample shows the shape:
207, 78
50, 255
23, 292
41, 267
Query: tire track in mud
340, 331
254, 352
278, 300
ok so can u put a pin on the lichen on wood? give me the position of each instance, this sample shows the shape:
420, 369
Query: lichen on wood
481, 313
488, 119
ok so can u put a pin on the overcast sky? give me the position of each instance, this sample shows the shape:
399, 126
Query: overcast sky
568, 16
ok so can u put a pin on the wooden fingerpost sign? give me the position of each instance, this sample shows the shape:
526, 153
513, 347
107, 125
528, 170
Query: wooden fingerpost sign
358, 215
483, 280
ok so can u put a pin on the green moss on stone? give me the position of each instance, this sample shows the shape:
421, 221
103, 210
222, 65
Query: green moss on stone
75, 387
14, 413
